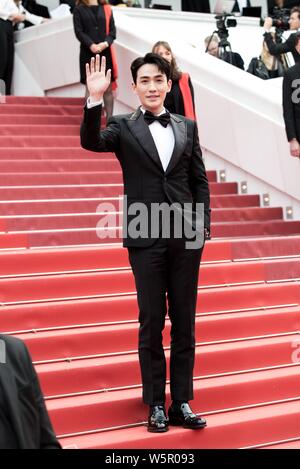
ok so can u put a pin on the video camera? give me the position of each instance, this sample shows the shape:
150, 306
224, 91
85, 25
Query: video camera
223, 22
280, 17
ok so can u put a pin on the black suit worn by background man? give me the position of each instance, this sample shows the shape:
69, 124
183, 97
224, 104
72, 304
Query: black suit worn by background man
159, 265
24, 420
291, 105
284, 47
289, 44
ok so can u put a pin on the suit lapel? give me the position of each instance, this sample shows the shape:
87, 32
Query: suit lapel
12, 400
179, 129
140, 130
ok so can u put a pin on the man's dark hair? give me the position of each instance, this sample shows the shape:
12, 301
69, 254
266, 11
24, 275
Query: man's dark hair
296, 10
150, 58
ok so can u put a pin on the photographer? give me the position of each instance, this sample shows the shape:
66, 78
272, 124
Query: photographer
289, 44
266, 66
291, 104
212, 46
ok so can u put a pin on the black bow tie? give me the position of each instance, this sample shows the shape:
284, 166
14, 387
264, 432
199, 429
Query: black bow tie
163, 119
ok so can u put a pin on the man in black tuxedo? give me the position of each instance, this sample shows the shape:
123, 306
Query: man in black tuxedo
24, 420
291, 104
289, 44
195, 5
161, 163
239, 5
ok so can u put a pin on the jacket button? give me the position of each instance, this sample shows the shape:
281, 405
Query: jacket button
165, 178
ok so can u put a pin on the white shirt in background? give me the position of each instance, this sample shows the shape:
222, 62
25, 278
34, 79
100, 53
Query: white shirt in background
7, 8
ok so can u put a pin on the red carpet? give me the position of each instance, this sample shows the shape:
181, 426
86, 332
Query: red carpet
71, 296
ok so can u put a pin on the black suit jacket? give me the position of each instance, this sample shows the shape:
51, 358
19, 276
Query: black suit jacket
24, 400
145, 180
89, 29
291, 110
282, 48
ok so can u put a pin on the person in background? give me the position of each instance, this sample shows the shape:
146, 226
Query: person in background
291, 104
266, 65
29, 17
289, 44
195, 5
133, 3
180, 100
9, 16
212, 48
24, 420
95, 29
239, 5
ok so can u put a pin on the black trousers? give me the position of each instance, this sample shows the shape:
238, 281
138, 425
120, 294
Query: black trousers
7, 53
166, 273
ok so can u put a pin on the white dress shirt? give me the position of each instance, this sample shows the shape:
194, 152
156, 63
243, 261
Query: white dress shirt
7, 8
242, 4
163, 136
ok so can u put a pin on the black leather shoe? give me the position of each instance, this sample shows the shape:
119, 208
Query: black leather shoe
183, 415
158, 421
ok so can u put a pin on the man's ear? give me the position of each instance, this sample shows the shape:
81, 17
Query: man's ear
169, 86
133, 85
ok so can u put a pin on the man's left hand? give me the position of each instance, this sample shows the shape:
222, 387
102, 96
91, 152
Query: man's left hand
295, 148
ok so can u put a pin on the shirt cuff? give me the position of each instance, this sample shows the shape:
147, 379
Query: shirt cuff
90, 105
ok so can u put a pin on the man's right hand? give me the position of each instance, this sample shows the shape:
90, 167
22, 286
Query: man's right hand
97, 81
17, 18
295, 148
268, 24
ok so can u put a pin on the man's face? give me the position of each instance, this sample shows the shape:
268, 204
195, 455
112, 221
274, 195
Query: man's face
213, 48
294, 21
151, 87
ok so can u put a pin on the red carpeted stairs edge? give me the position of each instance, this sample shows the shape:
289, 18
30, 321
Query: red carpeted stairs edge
70, 295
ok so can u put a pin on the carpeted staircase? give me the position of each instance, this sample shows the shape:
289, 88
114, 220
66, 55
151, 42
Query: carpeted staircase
71, 297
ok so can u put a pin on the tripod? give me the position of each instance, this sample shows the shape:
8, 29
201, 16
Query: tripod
224, 46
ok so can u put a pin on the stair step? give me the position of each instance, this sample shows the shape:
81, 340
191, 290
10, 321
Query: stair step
210, 359
16, 240
53, 165
115, 256
39, 315
225, 430
121, 338
76, 236
44, 100
112, 409
82, 220
44, 153
39, 141
122, 282
30, 130
50, 109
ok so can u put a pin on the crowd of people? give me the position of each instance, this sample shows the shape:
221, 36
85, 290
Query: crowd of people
95, 29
